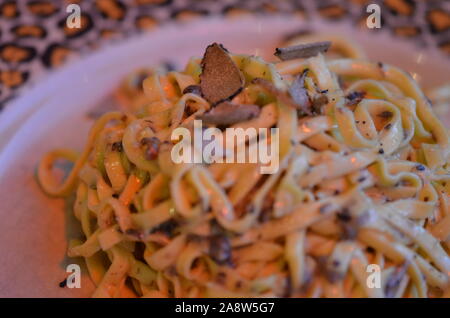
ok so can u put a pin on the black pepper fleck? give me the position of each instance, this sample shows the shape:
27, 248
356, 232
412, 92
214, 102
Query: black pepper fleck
220, 249
361, 179
344, 215
117, 146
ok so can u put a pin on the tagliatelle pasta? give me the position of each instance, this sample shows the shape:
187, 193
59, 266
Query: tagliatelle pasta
362, 186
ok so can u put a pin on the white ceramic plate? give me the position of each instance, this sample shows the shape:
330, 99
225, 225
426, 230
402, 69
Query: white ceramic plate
34, 228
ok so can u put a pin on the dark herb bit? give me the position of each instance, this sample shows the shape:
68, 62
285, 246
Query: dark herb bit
381, 151
388, 126
220, 249
420, 167
220, 79
227, 113
381, 67
172, 270
324, 208
267, 207
319, 101
326, 265
386, 114
133, 208
355, 220
189, 110
135, 233
151, 147
193, 89
361, 179
168, 227
117, 146
344, 215
169, 66
139, 250
216, 228
302, 50
355, 97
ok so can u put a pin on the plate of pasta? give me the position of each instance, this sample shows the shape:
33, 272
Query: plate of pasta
361, 186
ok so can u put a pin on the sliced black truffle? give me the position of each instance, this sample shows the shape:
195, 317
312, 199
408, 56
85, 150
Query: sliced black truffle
227, 113
220, 79
302, 50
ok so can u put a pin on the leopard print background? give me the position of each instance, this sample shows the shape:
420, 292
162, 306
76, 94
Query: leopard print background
34, 36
